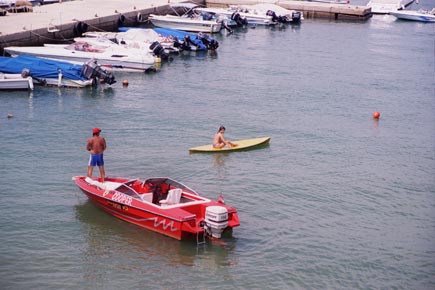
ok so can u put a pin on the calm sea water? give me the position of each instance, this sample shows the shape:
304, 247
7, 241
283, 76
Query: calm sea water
336, 201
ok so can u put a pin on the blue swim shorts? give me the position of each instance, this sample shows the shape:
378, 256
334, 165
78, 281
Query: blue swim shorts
96, 160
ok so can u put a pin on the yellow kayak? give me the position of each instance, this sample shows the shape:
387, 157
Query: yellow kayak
241, 144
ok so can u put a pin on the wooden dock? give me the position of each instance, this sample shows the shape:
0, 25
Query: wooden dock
310, 9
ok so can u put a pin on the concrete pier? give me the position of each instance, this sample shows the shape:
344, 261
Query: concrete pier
64, 21
60, 22
309, 9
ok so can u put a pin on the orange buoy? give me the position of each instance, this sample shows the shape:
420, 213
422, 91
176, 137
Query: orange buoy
376, 115
125, 83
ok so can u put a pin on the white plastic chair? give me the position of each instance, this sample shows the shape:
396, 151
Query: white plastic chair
174, 196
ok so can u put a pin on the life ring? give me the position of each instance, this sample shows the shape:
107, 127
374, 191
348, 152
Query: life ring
121, 20
139, 17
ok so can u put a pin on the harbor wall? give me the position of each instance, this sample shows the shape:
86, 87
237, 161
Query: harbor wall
60, 23
310, 9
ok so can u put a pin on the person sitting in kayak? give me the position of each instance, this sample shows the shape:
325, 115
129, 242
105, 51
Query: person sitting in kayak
219, 140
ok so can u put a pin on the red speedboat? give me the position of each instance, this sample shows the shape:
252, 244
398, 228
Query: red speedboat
162, 205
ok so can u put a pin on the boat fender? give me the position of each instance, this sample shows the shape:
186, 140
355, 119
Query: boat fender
85, 27
139, 17
80, 28
30, 80
59, 79
121, 20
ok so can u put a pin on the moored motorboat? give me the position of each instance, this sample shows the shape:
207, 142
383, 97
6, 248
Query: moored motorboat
189, 41
142, 38
188, 19
180, 40
56, 73
245, 14
108, 56
229, 17
15, 82
260, 14
162, 205
415, 15
387, 6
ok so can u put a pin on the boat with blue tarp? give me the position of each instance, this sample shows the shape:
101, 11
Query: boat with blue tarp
184, 40
55, 73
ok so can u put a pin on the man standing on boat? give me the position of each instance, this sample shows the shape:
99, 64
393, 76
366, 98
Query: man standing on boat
96, 146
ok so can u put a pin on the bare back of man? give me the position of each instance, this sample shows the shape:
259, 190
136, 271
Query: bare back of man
96, 145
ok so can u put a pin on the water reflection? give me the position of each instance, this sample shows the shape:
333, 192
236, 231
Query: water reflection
375, 126
219, 159
31, 105
221, 171
101, 91
108, 238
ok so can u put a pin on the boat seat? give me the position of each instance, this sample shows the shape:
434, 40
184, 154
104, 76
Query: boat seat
174, 196
148, 197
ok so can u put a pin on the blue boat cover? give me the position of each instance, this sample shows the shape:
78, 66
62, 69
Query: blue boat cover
41, 67
167, 32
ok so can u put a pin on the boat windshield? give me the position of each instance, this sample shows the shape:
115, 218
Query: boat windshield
128, 191
170, 182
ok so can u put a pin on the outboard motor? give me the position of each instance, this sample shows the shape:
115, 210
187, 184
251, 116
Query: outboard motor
186, 44
224, 24
92, 70
209, 42
158, 50
177, 42
296, 16
240, 21
275, 18
216, 220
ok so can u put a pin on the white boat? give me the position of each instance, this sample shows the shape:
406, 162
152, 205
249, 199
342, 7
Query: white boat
109, 57
143, 38
278, 13
259, 14
387, 6
15, 82
238, 16
188, 19
49, 72
415, 15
